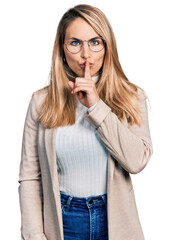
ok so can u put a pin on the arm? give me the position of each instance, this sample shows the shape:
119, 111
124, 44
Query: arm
131, 146
30, 188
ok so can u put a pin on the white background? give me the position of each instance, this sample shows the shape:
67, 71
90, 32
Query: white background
143, 35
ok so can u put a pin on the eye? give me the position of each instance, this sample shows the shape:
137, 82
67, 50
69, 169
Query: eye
94, 42
75, 43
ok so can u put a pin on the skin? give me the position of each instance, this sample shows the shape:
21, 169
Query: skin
83, 86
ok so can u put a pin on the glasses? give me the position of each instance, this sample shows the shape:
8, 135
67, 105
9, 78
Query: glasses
75, 45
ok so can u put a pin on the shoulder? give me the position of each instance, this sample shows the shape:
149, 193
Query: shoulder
141, 93
143, 100
38, 98
40, 94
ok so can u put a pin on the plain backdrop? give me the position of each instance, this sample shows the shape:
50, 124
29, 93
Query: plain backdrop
143, 34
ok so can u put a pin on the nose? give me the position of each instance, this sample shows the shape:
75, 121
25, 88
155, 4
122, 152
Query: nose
85, 52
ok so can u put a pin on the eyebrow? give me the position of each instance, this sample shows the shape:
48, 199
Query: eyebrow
81, 40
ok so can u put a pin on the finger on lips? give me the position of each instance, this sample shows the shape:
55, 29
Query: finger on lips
87, 74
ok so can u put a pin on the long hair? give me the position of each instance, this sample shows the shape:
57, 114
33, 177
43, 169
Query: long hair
113, 87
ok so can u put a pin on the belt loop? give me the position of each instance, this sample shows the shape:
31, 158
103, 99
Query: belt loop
105, 200
68, 203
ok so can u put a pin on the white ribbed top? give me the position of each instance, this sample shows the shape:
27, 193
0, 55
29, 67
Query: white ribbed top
81, 157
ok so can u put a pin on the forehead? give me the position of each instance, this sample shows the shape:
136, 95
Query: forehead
80, 29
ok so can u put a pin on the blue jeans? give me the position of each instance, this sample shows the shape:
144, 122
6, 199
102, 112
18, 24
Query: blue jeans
84, 218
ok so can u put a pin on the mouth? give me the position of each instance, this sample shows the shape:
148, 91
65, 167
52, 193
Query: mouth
83, 65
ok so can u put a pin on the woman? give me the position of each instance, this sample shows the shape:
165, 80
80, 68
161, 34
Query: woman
84, 134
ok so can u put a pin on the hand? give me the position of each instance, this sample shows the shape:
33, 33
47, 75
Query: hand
85, 88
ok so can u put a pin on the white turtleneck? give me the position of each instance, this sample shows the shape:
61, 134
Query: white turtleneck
81, 157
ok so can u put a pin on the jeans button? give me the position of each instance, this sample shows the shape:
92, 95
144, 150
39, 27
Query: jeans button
90, 201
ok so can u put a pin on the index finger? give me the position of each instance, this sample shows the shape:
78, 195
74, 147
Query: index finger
87, 70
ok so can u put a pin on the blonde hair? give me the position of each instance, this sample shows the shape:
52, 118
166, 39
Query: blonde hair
113, 87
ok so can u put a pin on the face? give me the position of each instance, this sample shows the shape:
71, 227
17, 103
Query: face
80, 29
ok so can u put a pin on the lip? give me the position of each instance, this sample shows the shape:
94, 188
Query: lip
83, 65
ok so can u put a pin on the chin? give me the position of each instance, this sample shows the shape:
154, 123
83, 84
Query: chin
79, 74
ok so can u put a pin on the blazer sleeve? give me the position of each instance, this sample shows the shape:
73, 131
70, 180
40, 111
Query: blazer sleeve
30, 188
130, 145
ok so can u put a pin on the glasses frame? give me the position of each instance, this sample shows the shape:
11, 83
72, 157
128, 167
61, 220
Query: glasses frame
85, 41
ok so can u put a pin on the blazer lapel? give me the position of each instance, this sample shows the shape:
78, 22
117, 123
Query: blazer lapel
50, 147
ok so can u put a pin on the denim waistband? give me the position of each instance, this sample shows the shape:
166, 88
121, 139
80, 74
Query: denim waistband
84, 200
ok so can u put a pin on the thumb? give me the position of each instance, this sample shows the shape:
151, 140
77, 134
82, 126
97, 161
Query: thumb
71, 84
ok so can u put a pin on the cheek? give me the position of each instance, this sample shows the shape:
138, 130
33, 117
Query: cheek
70, 57
72, 62
100, 58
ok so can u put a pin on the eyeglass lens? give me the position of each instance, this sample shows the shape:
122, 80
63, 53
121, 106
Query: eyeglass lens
75, 45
